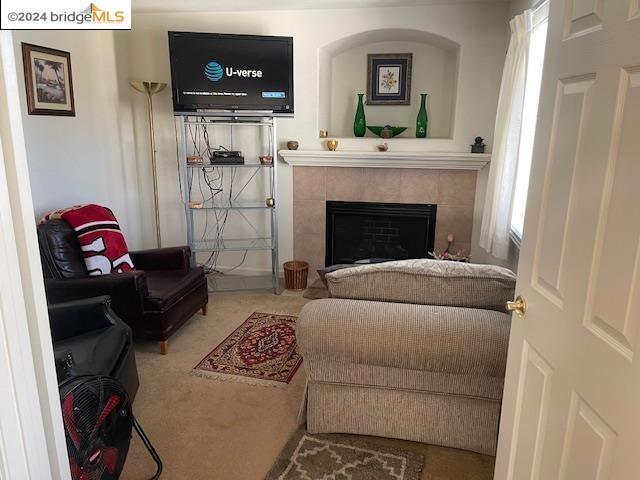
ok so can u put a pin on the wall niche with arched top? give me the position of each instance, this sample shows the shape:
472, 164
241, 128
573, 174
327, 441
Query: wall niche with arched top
343, 74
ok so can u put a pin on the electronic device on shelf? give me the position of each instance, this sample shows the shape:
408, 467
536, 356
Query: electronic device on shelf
227, 157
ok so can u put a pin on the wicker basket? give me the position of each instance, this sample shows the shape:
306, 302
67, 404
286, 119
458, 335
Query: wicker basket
295, 275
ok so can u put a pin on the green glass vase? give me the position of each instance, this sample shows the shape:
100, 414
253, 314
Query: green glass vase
422, 119
359, 122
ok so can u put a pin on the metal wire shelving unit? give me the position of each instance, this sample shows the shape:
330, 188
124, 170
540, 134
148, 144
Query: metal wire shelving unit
222, 220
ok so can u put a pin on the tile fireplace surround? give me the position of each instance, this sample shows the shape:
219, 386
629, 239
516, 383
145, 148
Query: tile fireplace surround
452, 190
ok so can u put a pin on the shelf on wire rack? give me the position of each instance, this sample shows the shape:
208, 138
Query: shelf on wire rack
233, 244
229, 165
232, 206
237, 123
231, 283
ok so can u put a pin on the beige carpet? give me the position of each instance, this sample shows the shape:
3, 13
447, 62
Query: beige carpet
211, 430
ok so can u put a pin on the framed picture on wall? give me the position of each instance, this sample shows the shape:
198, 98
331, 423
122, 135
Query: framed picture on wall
389, 78
47, 75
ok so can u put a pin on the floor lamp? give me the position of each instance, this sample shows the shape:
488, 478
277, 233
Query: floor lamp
151, 88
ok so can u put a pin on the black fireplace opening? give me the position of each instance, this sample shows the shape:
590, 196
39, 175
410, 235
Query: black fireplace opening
378, 231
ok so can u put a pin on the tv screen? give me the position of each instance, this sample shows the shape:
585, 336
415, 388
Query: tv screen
212, 71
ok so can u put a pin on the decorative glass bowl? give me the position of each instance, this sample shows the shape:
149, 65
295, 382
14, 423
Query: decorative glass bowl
387, 131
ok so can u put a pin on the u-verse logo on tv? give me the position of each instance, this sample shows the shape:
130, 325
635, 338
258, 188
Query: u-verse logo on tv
215, 72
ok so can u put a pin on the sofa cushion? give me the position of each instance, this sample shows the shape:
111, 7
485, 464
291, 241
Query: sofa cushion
166, 287
452, 340
322, 272
426, 282
448, 350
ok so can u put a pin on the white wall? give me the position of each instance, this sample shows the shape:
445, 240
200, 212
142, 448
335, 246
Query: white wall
479, 29
79, 159
518, 6
433, 72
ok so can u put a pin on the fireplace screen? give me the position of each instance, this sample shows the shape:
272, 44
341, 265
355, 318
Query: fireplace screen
367, 231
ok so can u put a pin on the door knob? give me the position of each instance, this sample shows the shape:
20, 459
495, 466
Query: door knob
519, 305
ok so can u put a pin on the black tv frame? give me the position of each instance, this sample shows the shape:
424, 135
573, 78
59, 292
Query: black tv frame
180, 108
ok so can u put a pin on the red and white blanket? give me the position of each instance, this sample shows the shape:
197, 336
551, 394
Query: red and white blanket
103, 246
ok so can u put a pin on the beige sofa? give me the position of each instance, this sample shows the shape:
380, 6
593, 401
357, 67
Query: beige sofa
411, 349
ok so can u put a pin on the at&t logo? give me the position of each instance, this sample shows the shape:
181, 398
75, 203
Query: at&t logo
213, 71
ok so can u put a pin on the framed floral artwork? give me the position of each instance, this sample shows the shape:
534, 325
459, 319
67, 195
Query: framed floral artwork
47, 75
389, 78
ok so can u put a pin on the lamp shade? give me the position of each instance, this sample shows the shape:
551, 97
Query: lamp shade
149, 88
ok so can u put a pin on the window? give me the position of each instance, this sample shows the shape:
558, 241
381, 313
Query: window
529, 116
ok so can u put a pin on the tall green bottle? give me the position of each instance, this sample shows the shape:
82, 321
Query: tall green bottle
422, 119
359, 123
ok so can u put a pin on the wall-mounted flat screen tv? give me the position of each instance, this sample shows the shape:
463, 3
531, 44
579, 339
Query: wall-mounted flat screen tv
213, 71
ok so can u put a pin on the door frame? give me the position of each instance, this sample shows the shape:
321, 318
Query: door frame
32, 439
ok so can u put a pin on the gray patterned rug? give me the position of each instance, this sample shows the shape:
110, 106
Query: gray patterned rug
340, 457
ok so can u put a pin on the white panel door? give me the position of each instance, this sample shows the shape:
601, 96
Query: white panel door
572, 393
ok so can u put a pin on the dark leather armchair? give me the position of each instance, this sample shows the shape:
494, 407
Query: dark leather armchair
154, 301
88, 338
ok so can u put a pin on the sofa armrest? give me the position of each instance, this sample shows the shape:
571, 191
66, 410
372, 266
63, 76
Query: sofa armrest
171, 258
426, 282
70, 319
404, 336
127, 292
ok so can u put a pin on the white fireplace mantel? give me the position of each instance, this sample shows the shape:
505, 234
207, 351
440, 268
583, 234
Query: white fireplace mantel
353, 158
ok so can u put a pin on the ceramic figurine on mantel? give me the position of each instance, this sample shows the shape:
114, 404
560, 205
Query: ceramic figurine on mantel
422, 119
359, 122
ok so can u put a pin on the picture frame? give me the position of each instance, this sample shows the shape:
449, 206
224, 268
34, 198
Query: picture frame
389, 78
48, 81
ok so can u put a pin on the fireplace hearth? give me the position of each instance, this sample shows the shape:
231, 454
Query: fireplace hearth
368, 230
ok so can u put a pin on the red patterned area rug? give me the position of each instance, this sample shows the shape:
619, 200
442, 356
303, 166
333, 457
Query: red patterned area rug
261, 351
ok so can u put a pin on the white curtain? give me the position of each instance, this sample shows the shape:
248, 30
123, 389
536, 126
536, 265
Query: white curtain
496, 217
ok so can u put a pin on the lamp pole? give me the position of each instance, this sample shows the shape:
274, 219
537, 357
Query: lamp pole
151, 88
